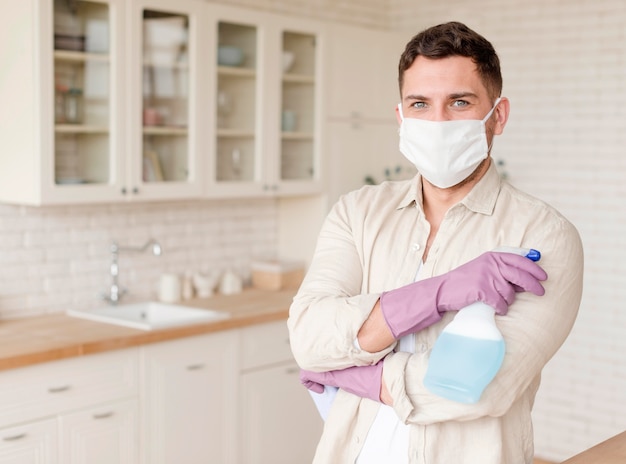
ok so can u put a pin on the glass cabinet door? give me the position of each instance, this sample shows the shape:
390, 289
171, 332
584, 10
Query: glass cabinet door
165, 97
236, 103
82, 97
298, 111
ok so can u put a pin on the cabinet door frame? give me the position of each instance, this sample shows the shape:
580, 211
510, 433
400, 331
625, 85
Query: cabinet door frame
37, 439
204, 360
50, 192
284, 187
255, 187
192, 188
113, 424
269, 389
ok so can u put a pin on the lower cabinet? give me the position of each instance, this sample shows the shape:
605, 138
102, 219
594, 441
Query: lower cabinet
231, 397
76, 411
279, 423
106, 434
188, 400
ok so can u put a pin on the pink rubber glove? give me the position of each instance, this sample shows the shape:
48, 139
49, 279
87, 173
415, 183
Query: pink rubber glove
363, 381
493, 278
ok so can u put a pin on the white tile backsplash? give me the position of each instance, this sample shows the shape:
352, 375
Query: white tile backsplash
57, 258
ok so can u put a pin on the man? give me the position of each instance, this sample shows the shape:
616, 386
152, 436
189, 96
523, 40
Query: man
395, 262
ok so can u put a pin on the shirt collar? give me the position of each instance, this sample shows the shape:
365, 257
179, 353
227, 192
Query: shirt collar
413, 194
481, 199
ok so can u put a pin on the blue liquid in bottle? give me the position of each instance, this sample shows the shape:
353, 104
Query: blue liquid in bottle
461, 367
469, 352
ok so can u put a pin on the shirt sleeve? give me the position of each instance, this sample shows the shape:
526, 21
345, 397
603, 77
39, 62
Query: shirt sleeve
330, 308
534, 329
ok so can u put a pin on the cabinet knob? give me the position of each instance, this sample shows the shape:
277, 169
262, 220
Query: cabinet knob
292, 370
104, 415
123, 190
14, 437
135, 190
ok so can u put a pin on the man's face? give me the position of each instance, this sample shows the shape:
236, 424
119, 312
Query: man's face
447, 89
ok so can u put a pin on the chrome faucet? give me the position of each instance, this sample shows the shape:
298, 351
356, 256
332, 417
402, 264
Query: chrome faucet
115, 293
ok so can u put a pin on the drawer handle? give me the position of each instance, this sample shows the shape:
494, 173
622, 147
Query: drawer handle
195, 367
14, 437
60, 389
292, 370
103, 415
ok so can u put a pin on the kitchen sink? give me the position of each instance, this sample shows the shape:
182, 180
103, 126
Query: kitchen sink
150, 315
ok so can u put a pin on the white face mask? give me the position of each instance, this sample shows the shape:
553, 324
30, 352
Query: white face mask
444, 152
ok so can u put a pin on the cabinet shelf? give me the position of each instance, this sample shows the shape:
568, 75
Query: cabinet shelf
78, 57
297, 136
164, 130
235, 133
80, 129
236, 72
180, 66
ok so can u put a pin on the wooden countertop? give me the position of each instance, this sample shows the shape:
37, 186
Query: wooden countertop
611, 451
51, 337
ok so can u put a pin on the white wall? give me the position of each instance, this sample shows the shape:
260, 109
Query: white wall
564, 66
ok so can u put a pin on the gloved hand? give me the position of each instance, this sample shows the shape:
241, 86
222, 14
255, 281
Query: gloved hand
363, 381
493, 278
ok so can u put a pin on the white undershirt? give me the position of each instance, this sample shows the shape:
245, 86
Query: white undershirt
388, 438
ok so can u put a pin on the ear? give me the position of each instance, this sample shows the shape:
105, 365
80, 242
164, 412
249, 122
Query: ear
398, 117
501, 115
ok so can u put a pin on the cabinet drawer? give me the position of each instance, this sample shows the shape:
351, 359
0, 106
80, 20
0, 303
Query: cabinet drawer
33, 442
265, 344
50, 388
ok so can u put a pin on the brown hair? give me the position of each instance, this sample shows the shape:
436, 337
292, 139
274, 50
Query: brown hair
455, 39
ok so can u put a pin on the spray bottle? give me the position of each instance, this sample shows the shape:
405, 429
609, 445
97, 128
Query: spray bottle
470, 350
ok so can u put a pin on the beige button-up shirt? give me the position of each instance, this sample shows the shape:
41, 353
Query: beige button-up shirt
373, 241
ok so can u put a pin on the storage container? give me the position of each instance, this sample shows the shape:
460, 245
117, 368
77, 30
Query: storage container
277, 275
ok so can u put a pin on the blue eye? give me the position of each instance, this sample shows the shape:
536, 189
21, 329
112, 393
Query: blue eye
419, 105
460, 103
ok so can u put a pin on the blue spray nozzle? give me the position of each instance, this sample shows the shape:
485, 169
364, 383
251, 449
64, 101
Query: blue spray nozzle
533, 255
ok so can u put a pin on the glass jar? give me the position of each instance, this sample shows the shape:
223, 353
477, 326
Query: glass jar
74, 106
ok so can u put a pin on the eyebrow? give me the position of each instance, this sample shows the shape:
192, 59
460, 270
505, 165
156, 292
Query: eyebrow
456, 96
452, 96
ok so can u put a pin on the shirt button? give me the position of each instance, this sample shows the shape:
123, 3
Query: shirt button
416, 247
423, 347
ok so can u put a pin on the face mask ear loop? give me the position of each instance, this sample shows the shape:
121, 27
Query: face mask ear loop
400, 110
486, 118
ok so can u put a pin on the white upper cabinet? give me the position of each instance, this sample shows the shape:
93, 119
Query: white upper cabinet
62, 138
266, 102
112, 100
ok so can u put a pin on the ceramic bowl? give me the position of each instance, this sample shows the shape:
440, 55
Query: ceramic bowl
229, 55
